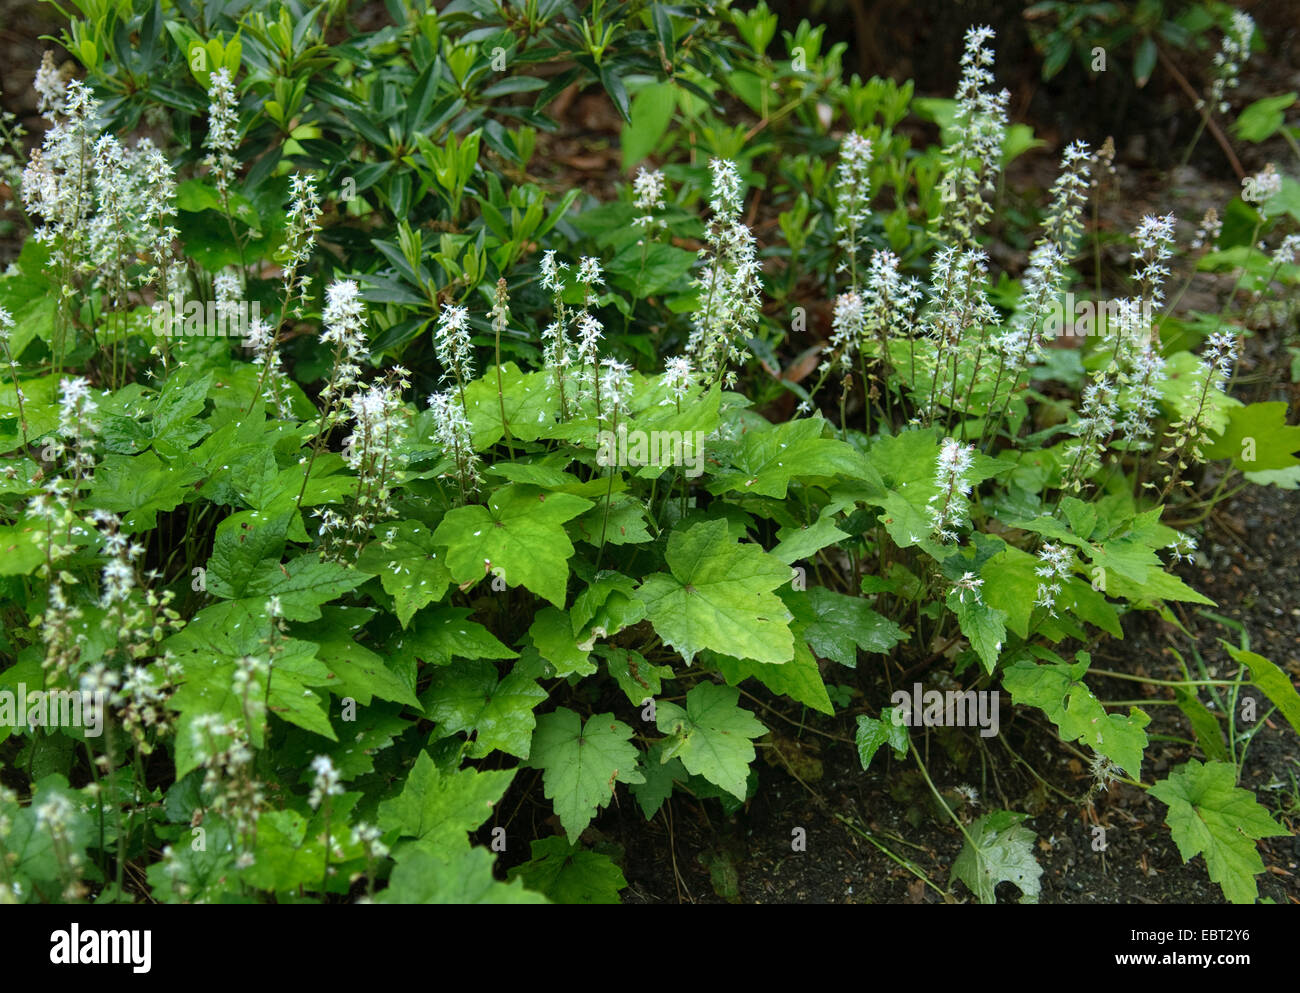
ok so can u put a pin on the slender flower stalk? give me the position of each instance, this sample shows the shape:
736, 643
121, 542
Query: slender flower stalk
1019, 345
222, 141
1187, 434
453, 433
1095, 423
300, 230
557, 353
1225, 73
500, 322
6, 326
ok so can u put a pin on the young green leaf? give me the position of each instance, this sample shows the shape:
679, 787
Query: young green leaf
769, 459
1058, 690
836, 626
711, 736
1210, 815
468, 695
1275, 683
873, 733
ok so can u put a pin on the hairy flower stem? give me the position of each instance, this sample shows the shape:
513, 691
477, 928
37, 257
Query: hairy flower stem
501, 395
609, 492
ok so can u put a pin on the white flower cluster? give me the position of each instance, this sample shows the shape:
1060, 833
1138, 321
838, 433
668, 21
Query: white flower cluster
1056, 564
1155, 240
453, 347
679, 376
118, 577
223, 130
1142, 397
77, 427
453, 434
277, 389
1044, 277
1208, 231
57, 181
344, 320
127, 206
1232, 55
368, 837
852, 196
1093, 427
326, 782
100, 205
729, 285
951, 478
959, 305
1218, 358
55, 814
649, 187
74, 443
379, 428
959, 293
1187, 434
1182, 547
300, 229
981, 125
615, 386
50, 88
226, 293
140, 698
223, 749
1264, 185
248, 683
848, 323
885, 309
968, 583
890, 301
1286, 252
558, 352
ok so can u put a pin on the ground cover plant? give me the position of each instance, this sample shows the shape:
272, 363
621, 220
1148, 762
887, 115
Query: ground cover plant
360, 483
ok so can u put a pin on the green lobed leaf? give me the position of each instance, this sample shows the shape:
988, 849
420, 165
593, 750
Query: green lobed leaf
439, 808
469, 695
462, 879
711, 736
566, 873
769, 459
873, 733
1058, 690
581, 763
719, 595
1210, 815
521, 532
